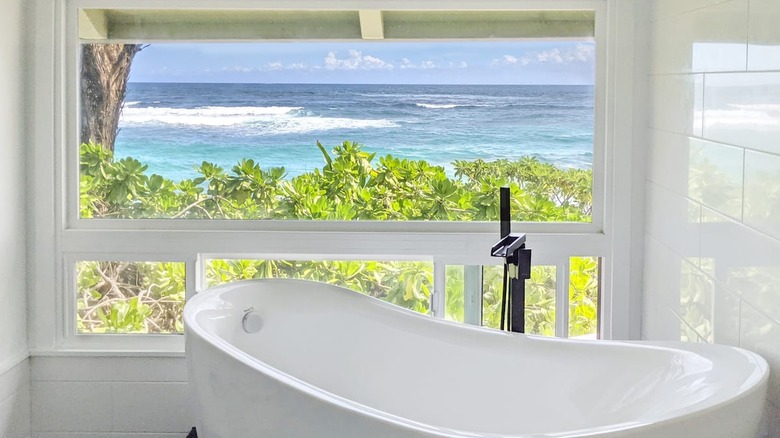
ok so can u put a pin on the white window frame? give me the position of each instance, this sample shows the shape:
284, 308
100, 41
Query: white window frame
59, 238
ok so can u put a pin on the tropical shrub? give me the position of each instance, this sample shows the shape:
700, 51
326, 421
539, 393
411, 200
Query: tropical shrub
352, 184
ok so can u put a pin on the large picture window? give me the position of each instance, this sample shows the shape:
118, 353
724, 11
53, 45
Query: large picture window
363, 148
402, 131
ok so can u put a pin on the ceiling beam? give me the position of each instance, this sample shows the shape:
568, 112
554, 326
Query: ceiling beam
93, 24
371, 25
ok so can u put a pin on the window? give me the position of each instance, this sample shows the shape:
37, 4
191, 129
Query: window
407, 284
129, 297
401, 131
440, 249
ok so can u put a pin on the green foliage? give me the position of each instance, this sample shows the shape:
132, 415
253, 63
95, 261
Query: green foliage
583, 296
539, 299
406, 284
130, 297
351, 185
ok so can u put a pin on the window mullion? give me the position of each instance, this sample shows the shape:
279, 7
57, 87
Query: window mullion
472, 294
192, 276
439, 293
562, 298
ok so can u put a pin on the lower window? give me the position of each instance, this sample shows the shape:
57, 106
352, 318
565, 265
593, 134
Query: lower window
148, 297
130, 297
404, 283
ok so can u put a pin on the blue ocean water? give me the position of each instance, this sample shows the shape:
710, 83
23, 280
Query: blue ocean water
173, 127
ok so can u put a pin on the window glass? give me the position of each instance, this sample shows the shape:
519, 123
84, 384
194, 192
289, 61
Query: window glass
584, 294
130, 297
404, 283
539, 299
419, 131
454, 308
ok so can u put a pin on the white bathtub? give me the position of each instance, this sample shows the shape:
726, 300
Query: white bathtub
331, 363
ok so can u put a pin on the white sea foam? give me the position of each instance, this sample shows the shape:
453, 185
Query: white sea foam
437, 106
298, 125
449, 105
127, 104
256, 120
206, 116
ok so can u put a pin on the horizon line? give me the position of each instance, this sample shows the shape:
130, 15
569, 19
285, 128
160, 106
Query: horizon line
349, 83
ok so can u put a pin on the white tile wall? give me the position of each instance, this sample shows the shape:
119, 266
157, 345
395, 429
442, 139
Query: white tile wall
743, 109
711, 38
105, 435
677, 103
712, 257
763, 48
14, 376
762, 192
665, 168
715, 176
120, 396
15, 401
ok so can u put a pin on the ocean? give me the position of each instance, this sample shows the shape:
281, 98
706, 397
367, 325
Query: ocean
173, 127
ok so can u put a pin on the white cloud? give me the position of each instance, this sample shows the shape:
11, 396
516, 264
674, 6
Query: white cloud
372, 62
585, 52
406, 63
237, 69
510, 60
356, 60
274, 66
579, 54
279, 66
548, 56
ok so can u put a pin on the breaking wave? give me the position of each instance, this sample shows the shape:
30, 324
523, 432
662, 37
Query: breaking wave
273, 119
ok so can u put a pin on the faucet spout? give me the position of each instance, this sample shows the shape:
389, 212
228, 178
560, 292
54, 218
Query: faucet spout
517, 269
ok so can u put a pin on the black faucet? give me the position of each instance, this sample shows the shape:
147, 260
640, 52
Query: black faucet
517, 269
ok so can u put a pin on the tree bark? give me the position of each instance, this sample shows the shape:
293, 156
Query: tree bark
105, 69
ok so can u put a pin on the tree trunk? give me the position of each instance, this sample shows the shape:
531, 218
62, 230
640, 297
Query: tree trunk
105, 69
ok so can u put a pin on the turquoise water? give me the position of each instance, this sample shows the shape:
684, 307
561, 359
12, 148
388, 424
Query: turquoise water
173, 127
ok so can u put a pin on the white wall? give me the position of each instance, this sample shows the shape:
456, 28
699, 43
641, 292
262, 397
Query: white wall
14, 373
712, 257
109, 396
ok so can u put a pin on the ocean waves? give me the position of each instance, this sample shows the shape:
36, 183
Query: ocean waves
449, 105
173, 126
257, 120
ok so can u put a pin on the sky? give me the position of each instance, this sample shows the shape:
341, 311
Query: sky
366, 62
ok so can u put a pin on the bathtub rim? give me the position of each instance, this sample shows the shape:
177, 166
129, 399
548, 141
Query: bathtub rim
754, 382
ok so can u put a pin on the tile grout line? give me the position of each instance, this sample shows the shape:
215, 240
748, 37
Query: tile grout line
689, 11
739, 320
704, 205
710, 140
703, 103
744, 181
747, 38
687, 324
757, 310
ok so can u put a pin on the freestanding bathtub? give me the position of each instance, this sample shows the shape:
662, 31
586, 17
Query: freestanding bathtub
325, 362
